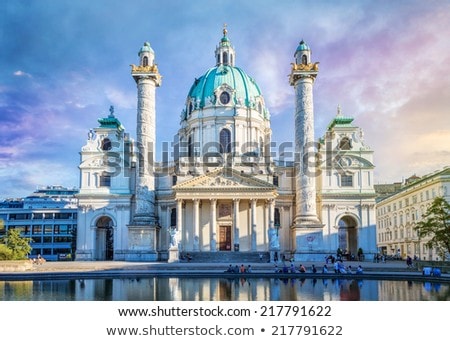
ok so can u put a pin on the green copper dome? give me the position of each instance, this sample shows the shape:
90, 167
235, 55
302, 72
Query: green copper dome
245, 89
146, 48
302, 46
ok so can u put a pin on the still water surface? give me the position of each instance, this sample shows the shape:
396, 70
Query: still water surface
222, 289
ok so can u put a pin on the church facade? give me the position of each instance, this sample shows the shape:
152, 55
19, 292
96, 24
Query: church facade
224, 194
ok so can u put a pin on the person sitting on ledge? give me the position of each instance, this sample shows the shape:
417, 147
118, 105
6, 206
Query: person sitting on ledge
230, 269
302, 268
292, 268
359, 270
349, 269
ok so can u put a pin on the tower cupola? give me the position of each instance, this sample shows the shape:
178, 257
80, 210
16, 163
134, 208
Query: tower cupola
302, 54
225, 54
146, 55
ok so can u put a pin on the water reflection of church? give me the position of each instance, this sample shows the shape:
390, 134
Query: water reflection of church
225, 194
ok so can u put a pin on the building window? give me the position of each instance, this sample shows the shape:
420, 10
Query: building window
275, 180
345, 144
225, 141
190, 147
277, 218
304, 59
173, 217
48, 229
145, 61
225, 58
37, 229
174, 180
106, 144
105, 180
346, 180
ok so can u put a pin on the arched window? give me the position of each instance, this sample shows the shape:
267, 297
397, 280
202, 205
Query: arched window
345, 144
225, 141
225, 58
304, 59
145, 61
106, 144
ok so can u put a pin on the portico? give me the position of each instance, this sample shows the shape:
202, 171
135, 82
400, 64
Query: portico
224, 211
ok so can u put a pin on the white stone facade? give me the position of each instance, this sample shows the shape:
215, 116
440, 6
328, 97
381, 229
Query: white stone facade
223, 192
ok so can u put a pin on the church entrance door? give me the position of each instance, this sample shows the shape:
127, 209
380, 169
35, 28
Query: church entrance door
105, 239
348, 239
225, 238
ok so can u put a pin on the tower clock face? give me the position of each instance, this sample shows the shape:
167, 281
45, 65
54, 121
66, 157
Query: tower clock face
224, 97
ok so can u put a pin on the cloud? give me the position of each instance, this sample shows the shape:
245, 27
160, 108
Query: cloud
20, 73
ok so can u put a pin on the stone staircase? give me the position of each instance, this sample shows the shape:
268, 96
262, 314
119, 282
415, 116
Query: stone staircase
228, 257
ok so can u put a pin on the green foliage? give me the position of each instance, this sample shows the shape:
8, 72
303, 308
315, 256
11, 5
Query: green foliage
17, 245
435, 224
5, 252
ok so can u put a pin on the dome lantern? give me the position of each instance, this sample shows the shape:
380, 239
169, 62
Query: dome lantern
225, 54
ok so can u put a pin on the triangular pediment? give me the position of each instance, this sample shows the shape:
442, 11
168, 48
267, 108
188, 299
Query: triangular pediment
224, 180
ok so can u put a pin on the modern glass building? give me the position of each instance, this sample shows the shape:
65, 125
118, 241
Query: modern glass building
48, 216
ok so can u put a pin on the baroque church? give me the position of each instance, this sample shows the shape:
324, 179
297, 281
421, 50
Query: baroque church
224, 196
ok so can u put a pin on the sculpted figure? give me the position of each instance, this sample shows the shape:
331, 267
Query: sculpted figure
274, 243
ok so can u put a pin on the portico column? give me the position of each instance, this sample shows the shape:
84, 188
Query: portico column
236, 221
180, 219
213, 225
196, 224
253, 222
271, 213
168, 223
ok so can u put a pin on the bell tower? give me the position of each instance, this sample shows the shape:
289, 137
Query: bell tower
143, 230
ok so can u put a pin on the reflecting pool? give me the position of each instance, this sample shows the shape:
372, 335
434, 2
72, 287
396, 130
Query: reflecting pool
222, 289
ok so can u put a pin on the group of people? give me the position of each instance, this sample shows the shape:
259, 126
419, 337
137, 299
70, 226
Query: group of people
38, 260
339, 268
239, 269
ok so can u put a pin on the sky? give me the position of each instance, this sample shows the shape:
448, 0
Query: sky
64, 63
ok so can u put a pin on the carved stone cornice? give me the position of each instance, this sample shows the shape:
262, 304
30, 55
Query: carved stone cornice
149, 71
300, 71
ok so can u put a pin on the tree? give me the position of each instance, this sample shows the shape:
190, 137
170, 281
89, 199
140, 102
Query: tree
19, 246
5, 252
435, 224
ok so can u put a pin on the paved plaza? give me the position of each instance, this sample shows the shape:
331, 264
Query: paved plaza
93, 269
